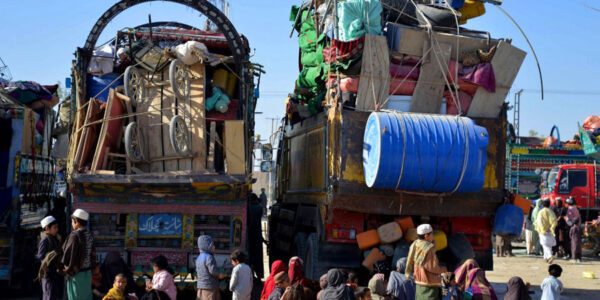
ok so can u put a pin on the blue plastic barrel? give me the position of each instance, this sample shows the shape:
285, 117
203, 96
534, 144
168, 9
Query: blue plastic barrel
509, 220
423, 152
95, 84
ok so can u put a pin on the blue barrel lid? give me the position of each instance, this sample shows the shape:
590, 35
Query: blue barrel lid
372, 149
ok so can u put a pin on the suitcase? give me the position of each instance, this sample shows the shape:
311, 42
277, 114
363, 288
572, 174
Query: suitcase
389, 233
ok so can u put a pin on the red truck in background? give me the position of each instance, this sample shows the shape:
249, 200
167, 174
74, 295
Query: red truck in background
579, 181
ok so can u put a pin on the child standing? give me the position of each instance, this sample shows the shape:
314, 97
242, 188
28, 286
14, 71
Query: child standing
241, 276
207, 270
50, 253
551, 286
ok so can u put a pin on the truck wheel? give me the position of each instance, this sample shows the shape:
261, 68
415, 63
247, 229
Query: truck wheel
299, 247
313, 268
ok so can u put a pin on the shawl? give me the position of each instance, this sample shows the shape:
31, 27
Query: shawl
536, 210
418, 251
336, 287
399, 286
377, 287
546, 221
469, 275
517, 290
276, 267
296, 273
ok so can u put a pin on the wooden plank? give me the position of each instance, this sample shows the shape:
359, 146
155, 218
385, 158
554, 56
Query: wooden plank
155, 125
110, 131
428, 94
28, 130
374, 86
506, 64
412, 39
235, 156
169, 107
210, 160
89, 134
197, 120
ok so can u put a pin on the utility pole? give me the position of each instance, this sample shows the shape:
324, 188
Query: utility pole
517, 114
273, 119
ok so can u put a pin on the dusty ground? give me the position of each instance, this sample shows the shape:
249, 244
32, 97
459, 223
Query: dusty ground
533, 269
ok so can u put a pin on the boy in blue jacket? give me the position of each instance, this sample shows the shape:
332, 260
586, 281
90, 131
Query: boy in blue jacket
207, 270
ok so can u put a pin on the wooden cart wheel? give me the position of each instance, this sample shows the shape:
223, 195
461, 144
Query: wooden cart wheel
179, 136
134, 142
134, 85
179, 78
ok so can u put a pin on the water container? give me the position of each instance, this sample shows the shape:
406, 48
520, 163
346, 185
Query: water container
95, 84
423, 152
509, 220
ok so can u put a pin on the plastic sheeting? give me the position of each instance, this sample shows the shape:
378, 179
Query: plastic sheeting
359, 17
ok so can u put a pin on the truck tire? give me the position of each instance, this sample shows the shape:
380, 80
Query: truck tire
313, 267
299, 246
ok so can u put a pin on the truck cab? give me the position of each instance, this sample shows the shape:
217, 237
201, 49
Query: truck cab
579, 181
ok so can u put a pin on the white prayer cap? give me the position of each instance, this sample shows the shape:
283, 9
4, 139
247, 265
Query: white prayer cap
81, 214
424, 229
46, 221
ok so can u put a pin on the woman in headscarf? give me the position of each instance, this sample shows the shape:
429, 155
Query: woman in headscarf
336, 287
296, 272
276, 267
377, 287
536, 237
399, 287
471, 280
517, 289
113, 265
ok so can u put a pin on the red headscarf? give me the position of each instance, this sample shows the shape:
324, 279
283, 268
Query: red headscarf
276, 267
296, 272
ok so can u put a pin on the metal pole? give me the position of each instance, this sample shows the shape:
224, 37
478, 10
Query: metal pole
517, 115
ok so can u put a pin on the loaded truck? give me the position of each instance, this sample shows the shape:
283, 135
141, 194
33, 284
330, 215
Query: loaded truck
160, 152
27, 180
331, 159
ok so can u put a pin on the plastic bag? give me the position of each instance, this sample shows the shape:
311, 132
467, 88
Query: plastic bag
102, 60
191, 52
359, 17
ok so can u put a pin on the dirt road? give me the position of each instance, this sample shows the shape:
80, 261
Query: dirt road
533, 269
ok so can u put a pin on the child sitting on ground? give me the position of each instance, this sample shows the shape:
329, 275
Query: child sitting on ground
551, 286
117, 292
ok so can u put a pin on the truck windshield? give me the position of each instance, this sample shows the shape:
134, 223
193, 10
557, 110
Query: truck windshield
552, 178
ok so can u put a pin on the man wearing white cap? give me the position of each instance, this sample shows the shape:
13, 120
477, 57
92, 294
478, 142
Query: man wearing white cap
79, 258
49, 251
423, 265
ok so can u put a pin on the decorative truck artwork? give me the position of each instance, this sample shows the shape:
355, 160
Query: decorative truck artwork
159, 225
